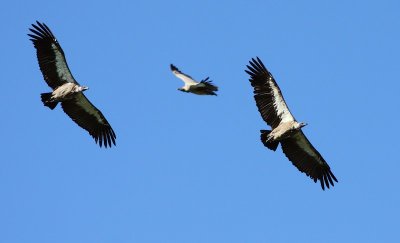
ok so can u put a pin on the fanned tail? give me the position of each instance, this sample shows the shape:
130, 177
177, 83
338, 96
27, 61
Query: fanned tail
209, 85
273, 145
46, 99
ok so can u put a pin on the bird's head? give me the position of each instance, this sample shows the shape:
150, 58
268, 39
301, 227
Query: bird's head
302, 124
82, 88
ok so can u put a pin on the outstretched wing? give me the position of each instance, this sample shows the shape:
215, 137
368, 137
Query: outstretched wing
50, 56
184, 77
87, 116
307, 159
267, 94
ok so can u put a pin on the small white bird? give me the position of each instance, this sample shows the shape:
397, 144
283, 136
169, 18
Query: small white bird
204, 87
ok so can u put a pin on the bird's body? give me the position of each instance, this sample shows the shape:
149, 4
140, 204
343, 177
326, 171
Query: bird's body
204, 87
62, 93
66, 90
285, 129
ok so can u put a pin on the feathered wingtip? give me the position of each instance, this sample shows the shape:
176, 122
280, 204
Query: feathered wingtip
206, 80
208, 83
106, 137
258, 72
256, 63
40, 31
327, 177
173, 67
256, 67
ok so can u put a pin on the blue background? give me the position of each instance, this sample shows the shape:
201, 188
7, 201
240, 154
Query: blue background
190, 168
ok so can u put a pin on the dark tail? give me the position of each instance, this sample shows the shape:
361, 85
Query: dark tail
46, 99
273, 145
208, 83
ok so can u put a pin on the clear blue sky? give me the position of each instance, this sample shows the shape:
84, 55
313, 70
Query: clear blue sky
191, 168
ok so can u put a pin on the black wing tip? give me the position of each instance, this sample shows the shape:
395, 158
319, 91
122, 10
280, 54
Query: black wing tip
36, 25
105, 137
173, 67
257, 63
256, 68
39, 25
326, 179
40, 31
248, 72
255, 60
208, 81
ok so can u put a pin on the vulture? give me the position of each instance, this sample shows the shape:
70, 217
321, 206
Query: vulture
66, 90
204, 87
285, 129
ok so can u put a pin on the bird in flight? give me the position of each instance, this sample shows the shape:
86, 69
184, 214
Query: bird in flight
66, 90
285, 129
204, 87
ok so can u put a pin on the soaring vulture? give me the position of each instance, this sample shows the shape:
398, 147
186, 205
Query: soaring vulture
66, 89
204, 87
285, 129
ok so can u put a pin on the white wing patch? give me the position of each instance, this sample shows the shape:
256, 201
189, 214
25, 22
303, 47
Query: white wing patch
186, 79
280, 106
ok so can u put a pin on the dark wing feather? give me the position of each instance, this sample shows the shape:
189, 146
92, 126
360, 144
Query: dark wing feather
50, 56
87, 116
208, 84
307, 159
267, 94
205, 87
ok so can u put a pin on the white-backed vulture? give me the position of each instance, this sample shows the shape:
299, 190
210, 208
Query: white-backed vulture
204, 87
66, 90
285, 129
